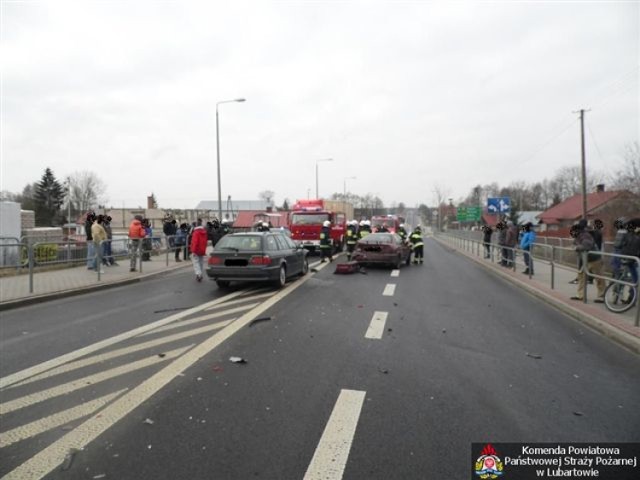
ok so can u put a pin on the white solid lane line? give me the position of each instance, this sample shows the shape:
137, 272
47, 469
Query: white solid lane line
330, 457
395, 273
69, 367
376, 327
69, 387
389, 290
50, 457
53, 421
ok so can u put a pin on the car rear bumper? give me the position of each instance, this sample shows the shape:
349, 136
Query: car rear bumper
244, 274
375, 257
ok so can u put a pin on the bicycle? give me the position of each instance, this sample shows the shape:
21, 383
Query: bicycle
620, 297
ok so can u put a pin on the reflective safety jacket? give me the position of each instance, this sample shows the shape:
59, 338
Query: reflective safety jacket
325, 237
364, 231
403, 233
416, 240
352, 236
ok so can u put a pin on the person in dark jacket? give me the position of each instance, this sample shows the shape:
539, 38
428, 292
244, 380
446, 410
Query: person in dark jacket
585, 243
502, 242
181, 241
511, 241
631, 247
487, 231
107, 255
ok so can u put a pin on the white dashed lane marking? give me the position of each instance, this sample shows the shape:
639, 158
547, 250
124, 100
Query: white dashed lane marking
330, 457
389, 290
376, 327
395, 273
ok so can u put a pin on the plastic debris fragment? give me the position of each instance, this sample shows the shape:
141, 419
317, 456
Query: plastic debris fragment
237, 360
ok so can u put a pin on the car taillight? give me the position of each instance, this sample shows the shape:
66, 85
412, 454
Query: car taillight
213, 260
263, 260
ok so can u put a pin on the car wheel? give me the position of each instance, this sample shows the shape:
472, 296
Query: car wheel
398, 263
282, 277
305, 267
222, 283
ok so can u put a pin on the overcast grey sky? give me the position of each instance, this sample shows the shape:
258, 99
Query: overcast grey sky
402, 95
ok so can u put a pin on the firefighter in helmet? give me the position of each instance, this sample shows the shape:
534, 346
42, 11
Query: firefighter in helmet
325, 242
417, 245
352, 237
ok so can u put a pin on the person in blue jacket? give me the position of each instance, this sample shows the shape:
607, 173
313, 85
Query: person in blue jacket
526, 244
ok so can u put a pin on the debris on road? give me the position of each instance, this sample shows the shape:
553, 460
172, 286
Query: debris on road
383, 370
347, 268
68, 458
578, 414
164, 310
217, 368
315, 270
395, 304
258, 320
148, 421
534, 355
389, 329
102, 475
237, 360
162, 355
360, 306
444, 330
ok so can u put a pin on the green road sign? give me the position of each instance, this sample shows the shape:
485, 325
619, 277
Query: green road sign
469, 214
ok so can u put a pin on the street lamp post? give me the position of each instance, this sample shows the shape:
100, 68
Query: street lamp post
320, 160
218, 154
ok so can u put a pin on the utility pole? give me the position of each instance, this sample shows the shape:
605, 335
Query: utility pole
584, 166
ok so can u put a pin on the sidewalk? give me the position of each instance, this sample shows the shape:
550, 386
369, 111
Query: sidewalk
14, 290
618, 326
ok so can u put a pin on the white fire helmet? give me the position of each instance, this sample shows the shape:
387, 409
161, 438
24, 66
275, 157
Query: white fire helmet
362, 223
367, 222
326, 223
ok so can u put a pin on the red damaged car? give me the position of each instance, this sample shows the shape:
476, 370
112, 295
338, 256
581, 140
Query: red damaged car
382, 249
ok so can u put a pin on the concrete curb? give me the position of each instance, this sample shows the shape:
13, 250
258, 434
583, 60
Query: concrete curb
31, 300
629, 341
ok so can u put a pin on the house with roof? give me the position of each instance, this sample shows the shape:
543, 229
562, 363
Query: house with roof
601, 204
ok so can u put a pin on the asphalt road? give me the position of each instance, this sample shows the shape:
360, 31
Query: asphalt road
463, 357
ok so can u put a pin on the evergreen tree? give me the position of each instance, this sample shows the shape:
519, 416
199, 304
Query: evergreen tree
48, 198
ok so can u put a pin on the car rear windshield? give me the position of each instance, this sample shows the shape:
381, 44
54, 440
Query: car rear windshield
309, 218
240, 243
378, 238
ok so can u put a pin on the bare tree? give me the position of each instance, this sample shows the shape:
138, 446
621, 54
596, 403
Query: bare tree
86, 190
267, 196
628, 178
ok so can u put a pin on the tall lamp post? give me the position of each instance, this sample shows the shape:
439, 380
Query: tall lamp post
218, 154
320, 160
344, 193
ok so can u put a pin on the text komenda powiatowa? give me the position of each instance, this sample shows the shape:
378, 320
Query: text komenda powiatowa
570, 456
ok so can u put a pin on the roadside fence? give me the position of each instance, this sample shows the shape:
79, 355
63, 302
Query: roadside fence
555, 257
18, 257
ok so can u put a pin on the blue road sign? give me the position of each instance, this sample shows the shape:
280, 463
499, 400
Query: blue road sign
499, 205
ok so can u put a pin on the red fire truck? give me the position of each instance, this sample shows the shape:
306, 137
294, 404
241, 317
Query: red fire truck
306, 219
392, 222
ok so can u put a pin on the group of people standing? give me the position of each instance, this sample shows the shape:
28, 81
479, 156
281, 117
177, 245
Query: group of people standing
588, 243
508, 239
99, 237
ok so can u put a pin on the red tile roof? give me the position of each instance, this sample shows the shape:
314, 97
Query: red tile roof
248, 218
571, 208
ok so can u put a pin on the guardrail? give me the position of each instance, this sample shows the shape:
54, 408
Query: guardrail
22, 258
554, 256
